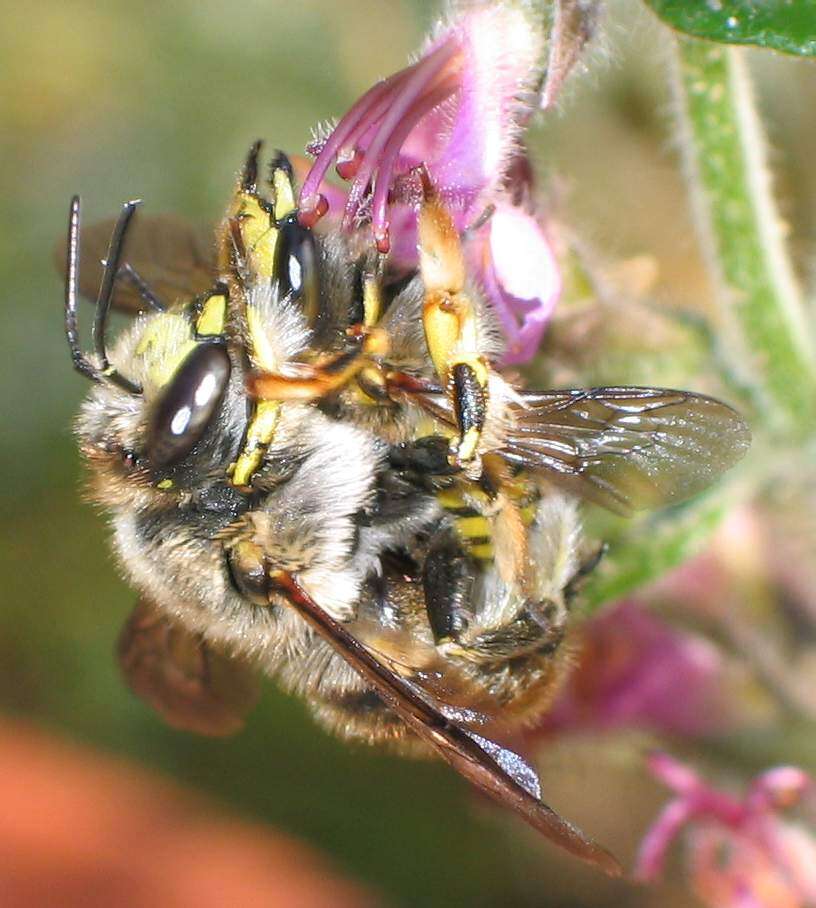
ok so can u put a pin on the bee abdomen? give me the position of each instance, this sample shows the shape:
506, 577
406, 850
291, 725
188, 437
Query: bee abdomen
473, 525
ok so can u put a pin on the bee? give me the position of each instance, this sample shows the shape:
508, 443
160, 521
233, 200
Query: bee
314, 471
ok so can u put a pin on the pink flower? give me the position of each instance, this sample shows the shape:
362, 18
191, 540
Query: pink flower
453, 117
520, 275
740, 853
636, 670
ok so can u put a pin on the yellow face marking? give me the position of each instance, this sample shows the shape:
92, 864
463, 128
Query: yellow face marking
258, 233
164, 345
259, 435
165, 484
213, 317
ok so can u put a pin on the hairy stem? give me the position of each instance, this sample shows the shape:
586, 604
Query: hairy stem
767, 337
642, 551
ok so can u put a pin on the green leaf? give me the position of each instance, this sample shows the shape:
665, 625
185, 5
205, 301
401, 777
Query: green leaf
643, 550
785, 25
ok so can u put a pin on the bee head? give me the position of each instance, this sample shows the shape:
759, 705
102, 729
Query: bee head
162, 415
181, 428
169, 410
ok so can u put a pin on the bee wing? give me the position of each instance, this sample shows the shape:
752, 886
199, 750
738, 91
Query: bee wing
494, 768
189, 684
626, 448
174, 258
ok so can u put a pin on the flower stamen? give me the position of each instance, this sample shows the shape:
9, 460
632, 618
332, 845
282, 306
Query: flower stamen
385, 169
387, 113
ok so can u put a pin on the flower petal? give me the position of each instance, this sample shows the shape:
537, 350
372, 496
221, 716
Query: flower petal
741, 854
502, 56
520, 274
651, 858
638, 671
456, 111
731, 871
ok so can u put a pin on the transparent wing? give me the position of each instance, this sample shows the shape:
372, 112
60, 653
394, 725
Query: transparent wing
175, 259
627, 448
189, 684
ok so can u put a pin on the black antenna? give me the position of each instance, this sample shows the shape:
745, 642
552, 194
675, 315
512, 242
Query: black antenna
103, 301
249, 173
81, 362
105, 296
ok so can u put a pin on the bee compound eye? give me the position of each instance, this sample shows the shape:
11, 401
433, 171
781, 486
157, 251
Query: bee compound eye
296, 265
129, 459
184, 411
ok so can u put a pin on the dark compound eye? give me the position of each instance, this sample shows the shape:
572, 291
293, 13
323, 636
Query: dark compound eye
296, 265
129, 459
182, 415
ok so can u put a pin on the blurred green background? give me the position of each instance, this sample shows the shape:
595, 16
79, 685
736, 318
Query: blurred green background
159, 101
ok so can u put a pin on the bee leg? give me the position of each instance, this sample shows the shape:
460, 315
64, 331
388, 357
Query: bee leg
247, 569
451, 328
315, 381
187, 680
129, 273
537, 628
585, 568
448, 575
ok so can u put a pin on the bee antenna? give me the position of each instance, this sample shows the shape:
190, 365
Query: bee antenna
81, 362
105, 296
249, 173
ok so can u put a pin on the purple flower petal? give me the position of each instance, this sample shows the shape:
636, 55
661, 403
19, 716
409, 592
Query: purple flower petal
651, 858
674, 774
452, 121
456, 111
521, 277
638, 671
778, 788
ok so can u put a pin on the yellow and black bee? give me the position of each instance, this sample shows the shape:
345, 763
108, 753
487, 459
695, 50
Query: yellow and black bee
314, 470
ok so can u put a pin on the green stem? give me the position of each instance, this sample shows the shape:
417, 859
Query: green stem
642, 551
766, 332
